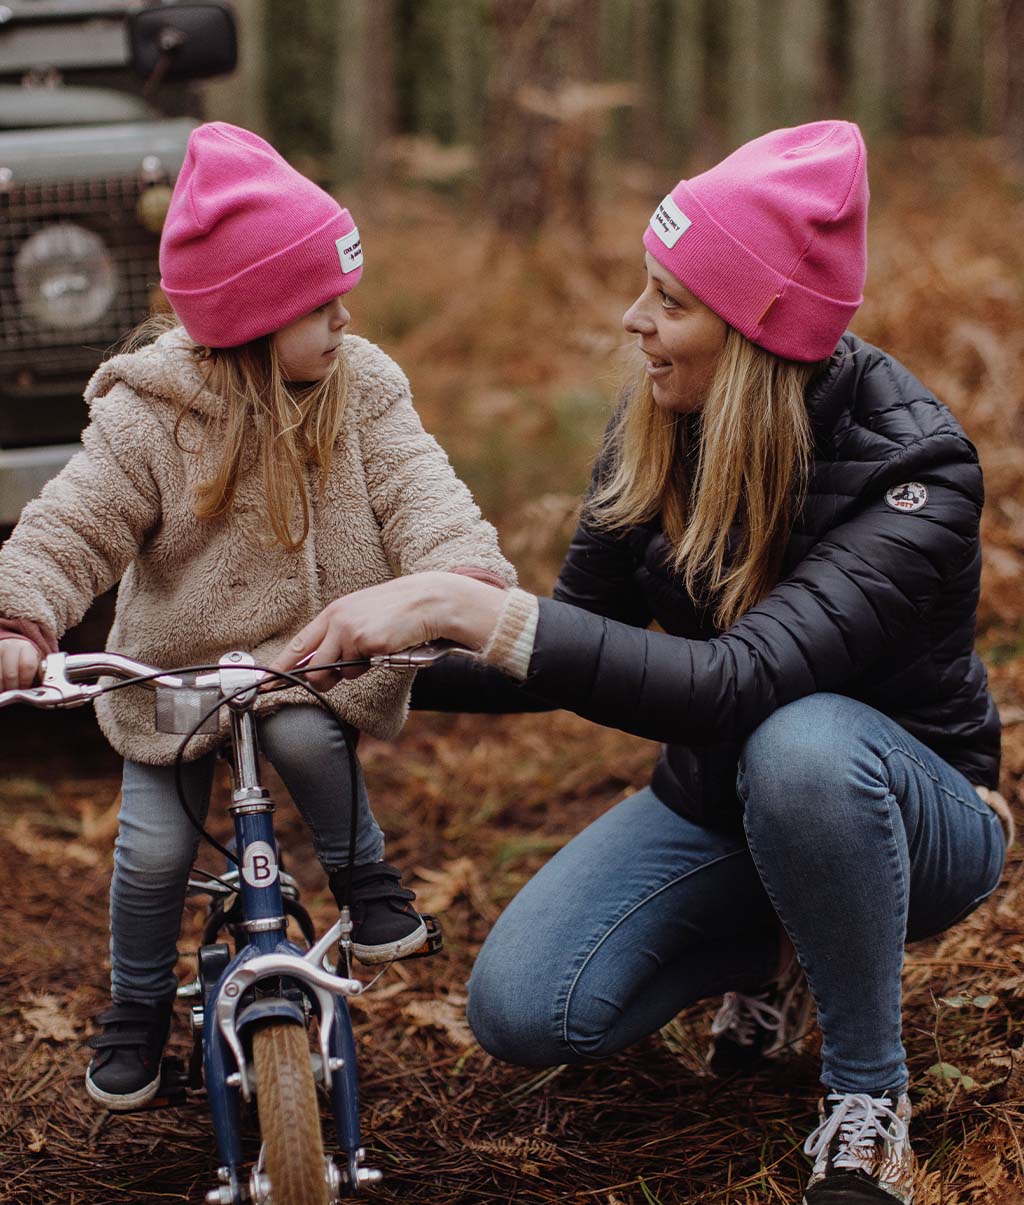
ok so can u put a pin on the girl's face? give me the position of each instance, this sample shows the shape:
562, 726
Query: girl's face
680, 337
308, 347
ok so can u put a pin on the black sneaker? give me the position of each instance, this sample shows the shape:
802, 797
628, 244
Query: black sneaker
749, 1028
125, 1071
861, 1151
385, 926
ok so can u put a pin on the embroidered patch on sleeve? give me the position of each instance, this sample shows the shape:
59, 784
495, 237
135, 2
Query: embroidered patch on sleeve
908, 497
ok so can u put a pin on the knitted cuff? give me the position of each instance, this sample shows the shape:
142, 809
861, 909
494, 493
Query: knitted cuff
510, 645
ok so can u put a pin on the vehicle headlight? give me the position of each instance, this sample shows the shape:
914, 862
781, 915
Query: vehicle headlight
64, 276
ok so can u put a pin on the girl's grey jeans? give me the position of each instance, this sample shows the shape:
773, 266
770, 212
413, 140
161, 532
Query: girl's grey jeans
156, 844
858, 839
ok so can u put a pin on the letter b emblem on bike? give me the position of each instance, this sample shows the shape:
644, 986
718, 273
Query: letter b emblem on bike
260, 866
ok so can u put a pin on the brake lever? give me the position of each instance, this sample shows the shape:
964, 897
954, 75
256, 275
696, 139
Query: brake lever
38, 696
422, 655
69, 694
418, 657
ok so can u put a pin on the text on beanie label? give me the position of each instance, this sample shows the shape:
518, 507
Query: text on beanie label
669, 222
350, 251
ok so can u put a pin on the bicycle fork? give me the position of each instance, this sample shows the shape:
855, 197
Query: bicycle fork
272, 977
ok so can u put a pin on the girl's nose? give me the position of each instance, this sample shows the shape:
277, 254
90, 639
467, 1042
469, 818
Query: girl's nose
340, 317
636, 320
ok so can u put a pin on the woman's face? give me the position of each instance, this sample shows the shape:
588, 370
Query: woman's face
308, 347
680, 337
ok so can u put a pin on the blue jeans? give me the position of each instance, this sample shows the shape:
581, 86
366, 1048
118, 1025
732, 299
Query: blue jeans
156, 845
858, 839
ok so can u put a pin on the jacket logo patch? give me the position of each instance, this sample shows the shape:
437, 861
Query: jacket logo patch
910, 496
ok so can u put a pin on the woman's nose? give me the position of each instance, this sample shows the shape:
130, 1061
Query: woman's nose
636, 320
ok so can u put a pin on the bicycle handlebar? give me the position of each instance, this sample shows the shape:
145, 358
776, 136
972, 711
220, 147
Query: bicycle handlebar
66, 676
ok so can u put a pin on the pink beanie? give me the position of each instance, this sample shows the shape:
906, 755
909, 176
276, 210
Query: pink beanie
773, 238
250, 244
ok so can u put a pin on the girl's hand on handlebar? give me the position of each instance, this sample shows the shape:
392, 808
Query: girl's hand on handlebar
393, 616
19, 663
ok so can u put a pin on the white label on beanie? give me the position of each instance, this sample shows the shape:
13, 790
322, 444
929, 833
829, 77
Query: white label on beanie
669, 222
350, 251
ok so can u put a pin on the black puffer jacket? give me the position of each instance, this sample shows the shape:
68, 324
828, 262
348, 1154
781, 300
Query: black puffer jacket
874, 602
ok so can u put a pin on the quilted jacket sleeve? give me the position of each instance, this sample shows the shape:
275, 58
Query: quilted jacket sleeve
78, 537
847, 605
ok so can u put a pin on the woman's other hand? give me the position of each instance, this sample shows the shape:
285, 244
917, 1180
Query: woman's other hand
393, 616
19, 663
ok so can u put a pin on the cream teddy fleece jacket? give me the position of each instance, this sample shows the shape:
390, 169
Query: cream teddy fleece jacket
191, 590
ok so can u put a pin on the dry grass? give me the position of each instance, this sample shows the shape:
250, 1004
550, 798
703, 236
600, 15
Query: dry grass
512, 352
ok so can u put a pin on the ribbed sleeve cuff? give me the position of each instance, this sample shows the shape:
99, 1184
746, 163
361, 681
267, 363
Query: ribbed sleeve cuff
510, 645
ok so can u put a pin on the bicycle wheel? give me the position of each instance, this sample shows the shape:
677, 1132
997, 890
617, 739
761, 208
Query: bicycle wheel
289, 1117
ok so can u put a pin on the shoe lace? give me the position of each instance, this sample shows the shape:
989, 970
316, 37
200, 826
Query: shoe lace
742, 1016
860, 1121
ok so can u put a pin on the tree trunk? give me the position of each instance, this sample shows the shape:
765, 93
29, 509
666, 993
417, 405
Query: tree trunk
538, 140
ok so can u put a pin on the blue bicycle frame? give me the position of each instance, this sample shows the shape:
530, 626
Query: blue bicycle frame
271, 976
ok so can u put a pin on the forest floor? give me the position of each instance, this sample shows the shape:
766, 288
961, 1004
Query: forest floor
514, 354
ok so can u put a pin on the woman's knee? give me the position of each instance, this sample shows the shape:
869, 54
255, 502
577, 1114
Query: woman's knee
508, 1018
801, 763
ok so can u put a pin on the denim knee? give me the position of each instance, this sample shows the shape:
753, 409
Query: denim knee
505, 1026
797, 768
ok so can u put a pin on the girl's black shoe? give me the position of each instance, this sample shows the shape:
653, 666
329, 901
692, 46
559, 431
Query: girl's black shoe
125, 1071
385, 926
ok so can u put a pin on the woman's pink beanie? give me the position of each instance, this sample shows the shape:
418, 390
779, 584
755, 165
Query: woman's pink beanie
774, 238
250, 244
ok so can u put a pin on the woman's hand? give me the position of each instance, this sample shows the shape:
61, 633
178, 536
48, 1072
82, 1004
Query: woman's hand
393, 616
19, 663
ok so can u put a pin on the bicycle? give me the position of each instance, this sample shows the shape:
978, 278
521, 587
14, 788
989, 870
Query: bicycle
253, 1008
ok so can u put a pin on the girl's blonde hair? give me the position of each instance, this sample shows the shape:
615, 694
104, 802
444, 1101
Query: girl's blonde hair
266, 423
744, 459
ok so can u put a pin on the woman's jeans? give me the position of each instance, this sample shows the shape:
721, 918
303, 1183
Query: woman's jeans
156, 844
858, 838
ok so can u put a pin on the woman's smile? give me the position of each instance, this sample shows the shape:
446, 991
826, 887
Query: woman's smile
680, 337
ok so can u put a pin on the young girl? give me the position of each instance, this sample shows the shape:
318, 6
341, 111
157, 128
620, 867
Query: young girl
248, 466
800, 516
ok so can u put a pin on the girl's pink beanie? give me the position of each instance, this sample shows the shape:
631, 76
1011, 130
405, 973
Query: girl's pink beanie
249, 243
774, 238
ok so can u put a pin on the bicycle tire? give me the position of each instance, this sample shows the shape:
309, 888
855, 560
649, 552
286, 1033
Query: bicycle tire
288, 1113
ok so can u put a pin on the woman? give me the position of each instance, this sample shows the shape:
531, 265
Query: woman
800, 516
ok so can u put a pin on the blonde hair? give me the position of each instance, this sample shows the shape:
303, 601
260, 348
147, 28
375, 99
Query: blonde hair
265, 422
745, 458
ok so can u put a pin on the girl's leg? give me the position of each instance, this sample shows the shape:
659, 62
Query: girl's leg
863, 838
309, 752
637, 917
311, 755
153, 853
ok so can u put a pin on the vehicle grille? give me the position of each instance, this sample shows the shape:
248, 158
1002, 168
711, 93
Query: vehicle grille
106, 207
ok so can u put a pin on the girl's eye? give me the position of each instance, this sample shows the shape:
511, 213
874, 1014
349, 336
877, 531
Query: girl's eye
667, 302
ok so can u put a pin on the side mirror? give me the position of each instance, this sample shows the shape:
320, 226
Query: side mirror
182, 41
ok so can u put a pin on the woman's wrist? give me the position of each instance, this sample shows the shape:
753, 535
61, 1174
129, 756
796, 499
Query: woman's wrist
468, 608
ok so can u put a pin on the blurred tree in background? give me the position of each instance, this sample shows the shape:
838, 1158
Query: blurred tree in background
517, 96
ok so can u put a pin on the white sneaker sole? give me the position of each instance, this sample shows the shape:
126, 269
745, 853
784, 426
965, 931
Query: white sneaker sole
370, 955
120, 1103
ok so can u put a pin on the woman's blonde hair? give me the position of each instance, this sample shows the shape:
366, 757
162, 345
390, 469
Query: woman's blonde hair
265, 422
743, 460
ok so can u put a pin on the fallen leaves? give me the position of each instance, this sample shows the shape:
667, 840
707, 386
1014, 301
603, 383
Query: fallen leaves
48, 1017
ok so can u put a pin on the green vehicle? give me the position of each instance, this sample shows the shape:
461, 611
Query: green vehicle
94, 121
